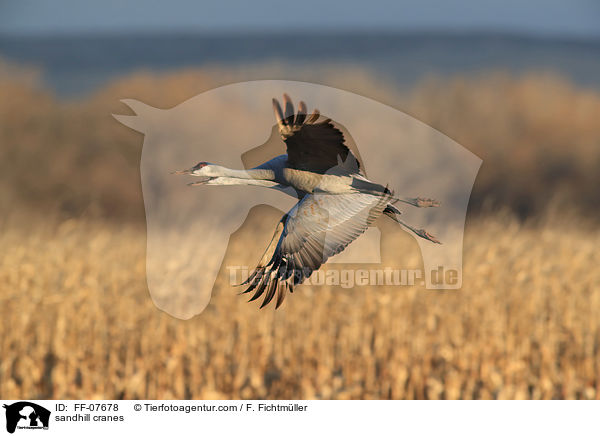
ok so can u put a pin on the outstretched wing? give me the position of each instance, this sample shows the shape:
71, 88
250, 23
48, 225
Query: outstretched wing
316, 228
312, 145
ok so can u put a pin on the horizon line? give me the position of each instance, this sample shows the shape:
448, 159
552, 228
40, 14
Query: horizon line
310, 32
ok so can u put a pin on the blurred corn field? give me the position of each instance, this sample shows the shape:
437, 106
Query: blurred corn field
78, 322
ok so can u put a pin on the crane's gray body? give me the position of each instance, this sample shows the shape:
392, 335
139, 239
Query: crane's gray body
336, 202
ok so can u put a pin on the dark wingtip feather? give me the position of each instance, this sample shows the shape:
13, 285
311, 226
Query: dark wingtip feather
288, 109
260, 287
251, 287
314, 116
301, 114
250, 277
278, 112
271, 288
281, 291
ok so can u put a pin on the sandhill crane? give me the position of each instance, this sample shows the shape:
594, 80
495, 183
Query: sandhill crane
337, 203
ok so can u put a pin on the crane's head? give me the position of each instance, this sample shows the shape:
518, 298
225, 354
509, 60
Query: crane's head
200, 169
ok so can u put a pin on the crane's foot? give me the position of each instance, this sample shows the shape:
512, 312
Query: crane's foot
420, 202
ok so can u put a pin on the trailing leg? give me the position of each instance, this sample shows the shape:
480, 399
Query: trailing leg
393, 213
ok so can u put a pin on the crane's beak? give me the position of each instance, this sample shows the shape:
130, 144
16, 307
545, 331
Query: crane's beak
202, 181
182, 172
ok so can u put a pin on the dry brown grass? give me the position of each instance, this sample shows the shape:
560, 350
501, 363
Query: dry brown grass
538, 136
78, 323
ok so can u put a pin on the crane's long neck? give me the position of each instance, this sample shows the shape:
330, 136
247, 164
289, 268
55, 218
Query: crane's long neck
252, 174
232, 181
219, 175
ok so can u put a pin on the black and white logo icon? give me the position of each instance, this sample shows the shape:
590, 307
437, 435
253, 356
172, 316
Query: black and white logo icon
26, 415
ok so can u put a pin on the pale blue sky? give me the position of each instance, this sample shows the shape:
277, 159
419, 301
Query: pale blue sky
538, 17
